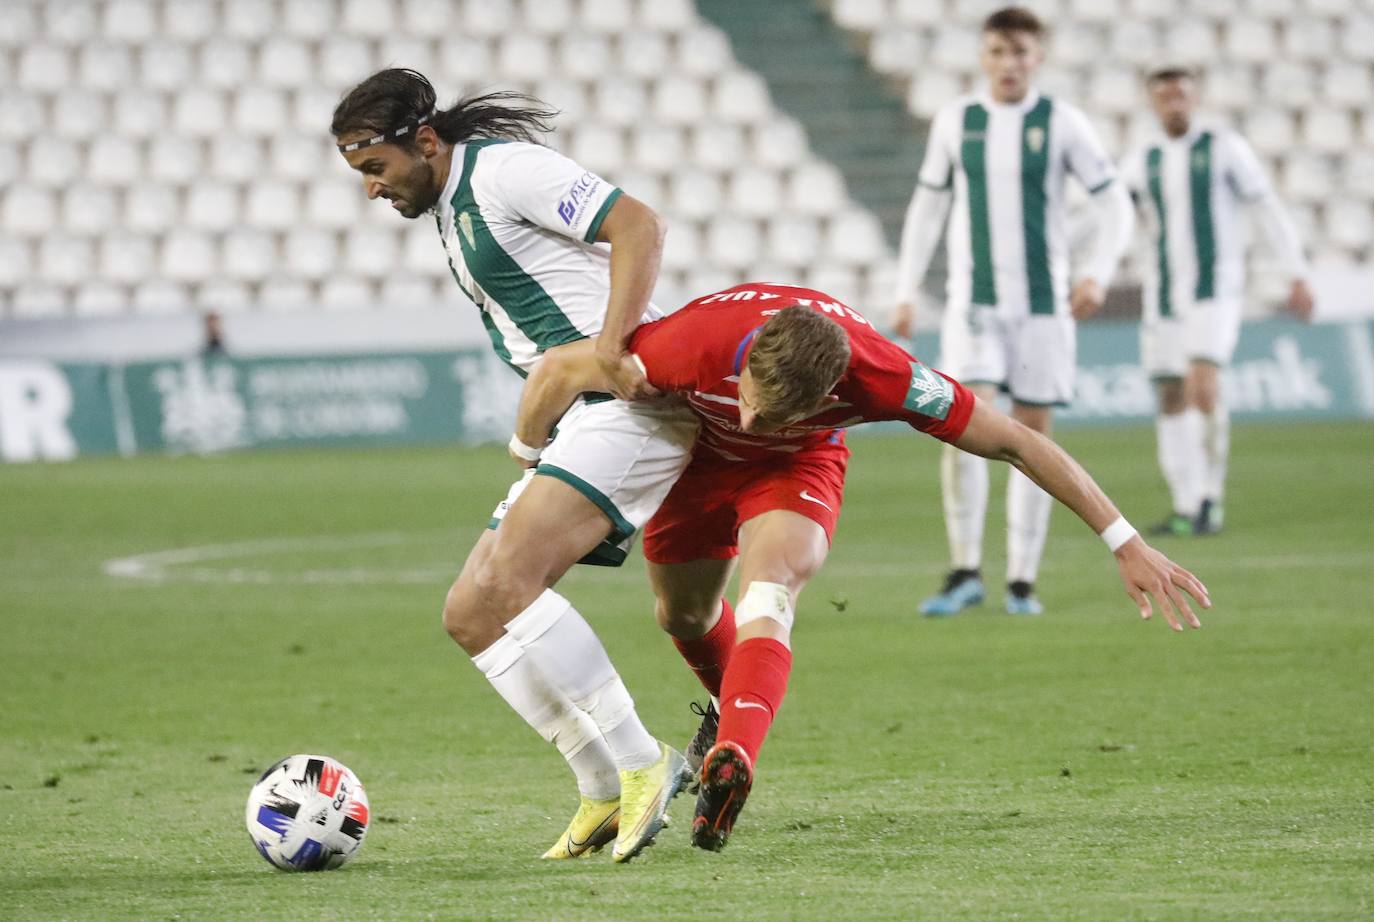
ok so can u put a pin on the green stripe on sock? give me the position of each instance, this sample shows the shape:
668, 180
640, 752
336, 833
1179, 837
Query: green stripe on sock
1035, 158
973, 156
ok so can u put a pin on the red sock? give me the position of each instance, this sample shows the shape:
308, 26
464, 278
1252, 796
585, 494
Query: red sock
709, 653
752, 692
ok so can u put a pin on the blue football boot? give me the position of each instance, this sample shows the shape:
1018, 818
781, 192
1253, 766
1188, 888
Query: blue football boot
963, 588
1021, 599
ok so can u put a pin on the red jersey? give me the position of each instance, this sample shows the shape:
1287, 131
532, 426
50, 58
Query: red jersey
701, 349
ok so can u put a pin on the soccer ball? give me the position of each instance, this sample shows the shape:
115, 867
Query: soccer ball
307, 813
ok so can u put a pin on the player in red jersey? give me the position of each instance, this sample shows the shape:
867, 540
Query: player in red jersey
776, 373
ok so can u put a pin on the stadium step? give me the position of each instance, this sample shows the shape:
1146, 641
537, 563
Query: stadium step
816, 74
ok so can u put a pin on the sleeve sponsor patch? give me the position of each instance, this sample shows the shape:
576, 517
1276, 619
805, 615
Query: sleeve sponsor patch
928, 394
573, 205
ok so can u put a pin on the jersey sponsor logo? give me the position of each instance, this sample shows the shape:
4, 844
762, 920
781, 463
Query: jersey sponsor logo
929, 393
574, 201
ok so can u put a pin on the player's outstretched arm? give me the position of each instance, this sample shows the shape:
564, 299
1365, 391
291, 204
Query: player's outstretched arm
1146, 573
559, 376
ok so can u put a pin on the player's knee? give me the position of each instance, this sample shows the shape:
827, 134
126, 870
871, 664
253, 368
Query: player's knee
459, 617
686, 618
505, 586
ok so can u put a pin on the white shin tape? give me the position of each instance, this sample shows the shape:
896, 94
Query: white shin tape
765, 600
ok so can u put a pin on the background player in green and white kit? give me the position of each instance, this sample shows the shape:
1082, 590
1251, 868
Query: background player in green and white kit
1003, 156
1191, 185
521, 224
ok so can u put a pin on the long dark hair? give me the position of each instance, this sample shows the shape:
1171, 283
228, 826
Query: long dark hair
398, 96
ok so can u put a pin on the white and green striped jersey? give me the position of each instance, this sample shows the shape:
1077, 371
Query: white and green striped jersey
1191, 190
519, 223
1007, 239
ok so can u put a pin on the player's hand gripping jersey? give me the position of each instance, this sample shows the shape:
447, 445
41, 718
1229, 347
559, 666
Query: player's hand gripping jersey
701, 349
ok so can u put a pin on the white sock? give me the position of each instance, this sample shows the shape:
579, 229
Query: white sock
518, 679
964, 487
1028, 522
1216, 449
1179, 437
571, 655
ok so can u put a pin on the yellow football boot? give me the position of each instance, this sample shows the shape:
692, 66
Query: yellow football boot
644, 797
593, 825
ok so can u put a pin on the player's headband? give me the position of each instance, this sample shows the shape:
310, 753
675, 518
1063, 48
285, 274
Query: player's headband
385, 136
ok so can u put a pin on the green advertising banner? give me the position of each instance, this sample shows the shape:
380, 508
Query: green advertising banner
206, 404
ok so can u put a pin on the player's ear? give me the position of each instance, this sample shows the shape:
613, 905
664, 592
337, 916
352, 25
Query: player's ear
427, 139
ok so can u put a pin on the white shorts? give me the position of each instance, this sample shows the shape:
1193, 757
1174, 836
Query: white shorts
1203, 332
624, 457
1030, 356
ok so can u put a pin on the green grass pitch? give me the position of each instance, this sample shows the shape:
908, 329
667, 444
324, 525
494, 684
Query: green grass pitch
1079, 765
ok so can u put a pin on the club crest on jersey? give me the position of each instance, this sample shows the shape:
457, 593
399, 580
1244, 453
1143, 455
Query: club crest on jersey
929, 393
1035, 138
465, 225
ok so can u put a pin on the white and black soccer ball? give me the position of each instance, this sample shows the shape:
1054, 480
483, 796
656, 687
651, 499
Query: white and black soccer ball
307, 813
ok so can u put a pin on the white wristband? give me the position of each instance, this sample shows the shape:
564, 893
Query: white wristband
522, 451
1118, 533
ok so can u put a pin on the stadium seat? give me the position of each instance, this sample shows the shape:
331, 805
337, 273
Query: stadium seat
224, 295
755, 192
862, 15
794, 240
741, 97
44, 68
599, 148
1288, 84
188, 257
695, 194
313, 108
53, 161
1270, 131
310, 20
273, 204
1350, 224
199, 112
465, 62
583, 56
955, 49
1250, 40
341, 60
717, 146
1134, 42
1357, 38
918, 12
103, 66
343, 292
1101, 11
1357, 174
703, 51
334, 203
15, 261
1115, 90
311, 252
406, 292
620, 101
171, 158
897, 51
38, 299
152, 207
139, 113
1308, 39
779, 143
259, 111
570, 99
160, 296
854, 237
422, 253
1307, 177
837, 281
372, 252
641, 54
930, 90
250, 19
285, 293
880, 283
285, 63
667, 15
657, 148
1347, 83
682, 246
89, 209
1155, 10
248, 254
132, 21
164, 65
1057, 82
126, 257
607, 16
225, 63
99, 299
547, 17
816, 188
1230, 87
1191, 41
523, 57
1328, 130
482, 18
113, 159
647, 187
679, 100
241, 161
65, 259
1331, 7
71, 24
300, 156
191, 20
706, 278
212, 206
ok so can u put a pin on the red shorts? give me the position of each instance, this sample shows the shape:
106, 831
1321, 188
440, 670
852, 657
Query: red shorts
701, 518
